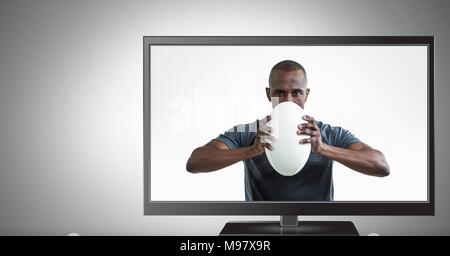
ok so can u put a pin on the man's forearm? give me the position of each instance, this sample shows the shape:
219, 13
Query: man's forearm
208, 159
370, 161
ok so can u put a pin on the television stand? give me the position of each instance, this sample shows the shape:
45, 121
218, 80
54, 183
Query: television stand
290, 226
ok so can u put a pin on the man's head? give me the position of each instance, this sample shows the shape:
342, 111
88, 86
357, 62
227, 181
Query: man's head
287, 82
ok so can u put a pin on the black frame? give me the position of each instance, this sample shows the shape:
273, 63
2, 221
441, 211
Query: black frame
289, 208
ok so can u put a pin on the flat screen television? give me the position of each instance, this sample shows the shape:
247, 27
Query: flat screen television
378, 90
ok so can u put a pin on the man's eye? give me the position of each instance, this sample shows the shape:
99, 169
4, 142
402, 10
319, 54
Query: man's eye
297, 93
279, 93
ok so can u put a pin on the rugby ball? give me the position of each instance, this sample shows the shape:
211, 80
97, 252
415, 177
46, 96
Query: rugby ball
288, 156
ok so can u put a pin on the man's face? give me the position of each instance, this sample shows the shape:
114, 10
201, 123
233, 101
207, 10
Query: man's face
288, 86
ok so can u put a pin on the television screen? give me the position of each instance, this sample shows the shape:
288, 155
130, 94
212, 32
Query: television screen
365, 147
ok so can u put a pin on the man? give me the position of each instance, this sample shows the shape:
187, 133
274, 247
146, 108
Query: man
288, 82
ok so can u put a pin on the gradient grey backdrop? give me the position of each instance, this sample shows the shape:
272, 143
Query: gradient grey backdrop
71, 104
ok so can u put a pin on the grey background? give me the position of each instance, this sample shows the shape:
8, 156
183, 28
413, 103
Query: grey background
71, 104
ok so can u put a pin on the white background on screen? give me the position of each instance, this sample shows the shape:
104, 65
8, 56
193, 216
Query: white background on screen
378, 93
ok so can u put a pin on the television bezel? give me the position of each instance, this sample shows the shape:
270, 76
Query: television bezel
289, 207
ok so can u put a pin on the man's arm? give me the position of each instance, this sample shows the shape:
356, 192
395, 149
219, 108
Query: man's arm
216, 155
357, 156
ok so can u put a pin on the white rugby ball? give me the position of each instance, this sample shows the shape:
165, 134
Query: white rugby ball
288, 156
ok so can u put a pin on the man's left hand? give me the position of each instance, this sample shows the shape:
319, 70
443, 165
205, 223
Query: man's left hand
312, 130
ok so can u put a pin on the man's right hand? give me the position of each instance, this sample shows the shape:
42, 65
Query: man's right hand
216, 155
263, 138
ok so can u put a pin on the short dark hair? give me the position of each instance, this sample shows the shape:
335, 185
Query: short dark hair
287, 65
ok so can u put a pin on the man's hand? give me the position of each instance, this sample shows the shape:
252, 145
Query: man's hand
263, 138
312, 130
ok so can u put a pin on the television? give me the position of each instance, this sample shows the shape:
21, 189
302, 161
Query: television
377, 88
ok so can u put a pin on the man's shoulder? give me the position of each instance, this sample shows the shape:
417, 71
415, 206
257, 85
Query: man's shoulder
245, 127
326, 126
327, 130
336, 135
240, 135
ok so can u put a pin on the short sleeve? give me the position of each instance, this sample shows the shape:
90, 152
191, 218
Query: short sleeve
344, 138
337, 136
238, 136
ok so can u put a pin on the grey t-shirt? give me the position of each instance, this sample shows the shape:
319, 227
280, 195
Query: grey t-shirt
313, 183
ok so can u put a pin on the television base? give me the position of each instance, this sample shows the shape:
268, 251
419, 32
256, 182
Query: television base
304, 228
